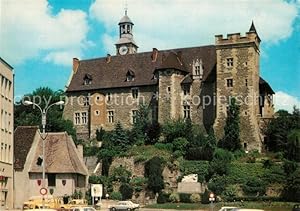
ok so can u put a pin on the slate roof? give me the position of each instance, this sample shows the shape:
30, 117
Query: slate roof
113, 74
265, 87
23, 138
61, 155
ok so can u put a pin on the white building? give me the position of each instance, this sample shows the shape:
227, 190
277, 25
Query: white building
6, 134
64, 166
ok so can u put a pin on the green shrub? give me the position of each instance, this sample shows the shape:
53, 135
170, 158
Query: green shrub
174, 197
162, 198
120, 174
164, 146
195, 198
138, 183
289, 167
222, 154
205, 197
230, 192
274, 174
153, 171
179, 144
195, 167
217, 184
116, 196
185, 197
126, 190
254, 187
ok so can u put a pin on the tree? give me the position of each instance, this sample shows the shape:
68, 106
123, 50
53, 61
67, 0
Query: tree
153, 171
119, 138
30, 115
283, 133
142, 122
126, 190
231, 139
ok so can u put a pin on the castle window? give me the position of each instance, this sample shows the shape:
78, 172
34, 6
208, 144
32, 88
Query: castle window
97, 113
84, 118
169, 89
134, 116
230, 82
86, 101
87, 80
111, 116
197, 70
246, 82
77, 118
186, 112
130, 75
229, 62
186, 90
135, 92
245, 146
108, 96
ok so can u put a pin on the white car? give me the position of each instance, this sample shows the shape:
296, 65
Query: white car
83, 209
227, 208
124, 205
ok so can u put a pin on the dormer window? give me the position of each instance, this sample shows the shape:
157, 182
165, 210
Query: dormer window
87, 80
197, 69
130, 75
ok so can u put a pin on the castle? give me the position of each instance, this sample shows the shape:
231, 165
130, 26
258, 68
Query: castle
195, 83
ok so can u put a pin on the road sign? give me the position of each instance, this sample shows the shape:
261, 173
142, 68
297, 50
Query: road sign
96, 190
43, 191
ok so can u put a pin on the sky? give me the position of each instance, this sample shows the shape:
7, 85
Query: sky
39, 38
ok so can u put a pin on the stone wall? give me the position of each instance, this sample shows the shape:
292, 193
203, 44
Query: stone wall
120, 101
245, 75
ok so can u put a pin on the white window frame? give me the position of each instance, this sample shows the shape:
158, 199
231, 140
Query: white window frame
135, 93
111, 116
186, 111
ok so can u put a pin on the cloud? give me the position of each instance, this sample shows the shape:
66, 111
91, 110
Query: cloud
285, 101
28, 28
181, 23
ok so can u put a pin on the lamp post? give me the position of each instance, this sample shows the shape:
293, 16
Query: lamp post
211, 199
44, 117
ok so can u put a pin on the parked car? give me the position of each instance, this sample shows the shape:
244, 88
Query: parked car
83, 209
227, 208
245, 209
296, 207
124, 205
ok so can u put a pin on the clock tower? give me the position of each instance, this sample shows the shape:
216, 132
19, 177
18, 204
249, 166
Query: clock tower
126, 44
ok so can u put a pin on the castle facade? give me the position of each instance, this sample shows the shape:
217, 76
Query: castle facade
195, 83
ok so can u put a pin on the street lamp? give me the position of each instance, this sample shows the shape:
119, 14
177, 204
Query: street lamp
211, 199
44, 116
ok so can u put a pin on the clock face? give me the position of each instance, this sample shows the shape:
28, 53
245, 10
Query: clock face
123, 50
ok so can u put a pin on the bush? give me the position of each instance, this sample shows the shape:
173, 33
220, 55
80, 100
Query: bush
195, 167
162, 198
138, 183
153, 171
120, 174
116, 196
254, 187
162, 146
185, 197
205, 197
195, 198
174, 197
217, 184
126, 191
230, 192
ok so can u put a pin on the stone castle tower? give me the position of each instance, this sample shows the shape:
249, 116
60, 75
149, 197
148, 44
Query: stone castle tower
237, 75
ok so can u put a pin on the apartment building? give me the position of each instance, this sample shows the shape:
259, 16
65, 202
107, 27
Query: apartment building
6, 134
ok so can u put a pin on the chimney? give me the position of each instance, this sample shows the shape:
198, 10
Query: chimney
75, 64
154, 54
108, 58
80, 151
